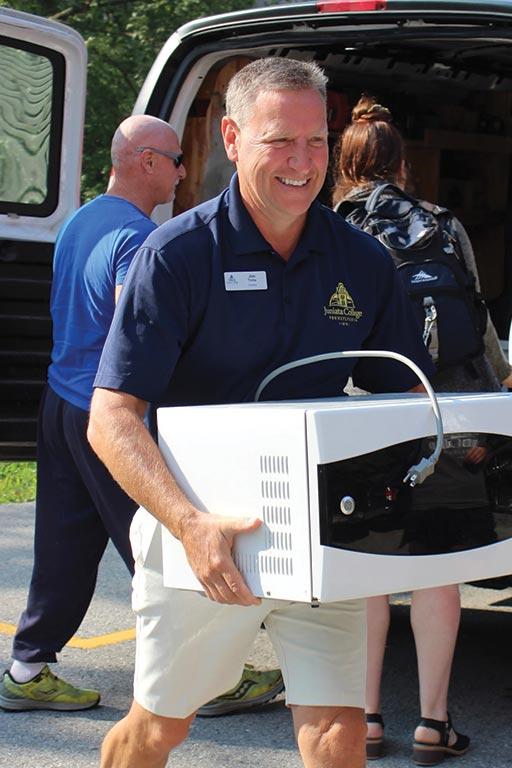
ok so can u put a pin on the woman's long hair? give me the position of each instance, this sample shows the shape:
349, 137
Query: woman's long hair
371, 148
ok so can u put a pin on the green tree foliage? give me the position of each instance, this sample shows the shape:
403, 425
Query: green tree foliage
122, 38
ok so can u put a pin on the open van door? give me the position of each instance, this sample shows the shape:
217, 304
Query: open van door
42, 103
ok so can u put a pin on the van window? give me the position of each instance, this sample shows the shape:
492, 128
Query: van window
31, 101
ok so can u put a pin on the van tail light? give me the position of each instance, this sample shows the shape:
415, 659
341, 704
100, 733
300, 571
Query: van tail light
333, 6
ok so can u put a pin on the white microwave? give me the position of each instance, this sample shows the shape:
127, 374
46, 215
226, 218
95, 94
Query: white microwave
327, 480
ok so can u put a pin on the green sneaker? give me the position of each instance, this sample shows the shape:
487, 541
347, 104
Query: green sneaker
254, 689
45, 691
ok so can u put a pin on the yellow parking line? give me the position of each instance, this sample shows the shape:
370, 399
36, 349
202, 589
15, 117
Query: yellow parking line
96, 642
84, 642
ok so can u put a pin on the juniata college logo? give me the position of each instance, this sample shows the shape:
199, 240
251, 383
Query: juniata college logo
341, 307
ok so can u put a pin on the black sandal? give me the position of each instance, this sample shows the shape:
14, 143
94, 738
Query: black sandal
374, 744
432, 754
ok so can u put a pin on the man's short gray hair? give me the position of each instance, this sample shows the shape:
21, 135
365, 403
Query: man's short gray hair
274, 73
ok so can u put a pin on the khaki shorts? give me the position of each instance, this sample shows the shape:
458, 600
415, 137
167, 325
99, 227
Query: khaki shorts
190, 649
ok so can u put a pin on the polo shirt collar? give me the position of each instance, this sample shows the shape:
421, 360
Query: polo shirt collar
246, 238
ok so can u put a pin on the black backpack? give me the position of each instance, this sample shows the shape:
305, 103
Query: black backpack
425, 249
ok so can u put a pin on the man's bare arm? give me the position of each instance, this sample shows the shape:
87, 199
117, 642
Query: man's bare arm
119, 436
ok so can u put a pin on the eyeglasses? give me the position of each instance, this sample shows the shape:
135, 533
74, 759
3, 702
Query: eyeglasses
177, 157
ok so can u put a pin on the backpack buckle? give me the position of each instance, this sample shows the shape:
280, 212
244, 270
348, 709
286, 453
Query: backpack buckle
430, 327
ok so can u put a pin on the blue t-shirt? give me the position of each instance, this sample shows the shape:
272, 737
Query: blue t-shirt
182, 336
93, 251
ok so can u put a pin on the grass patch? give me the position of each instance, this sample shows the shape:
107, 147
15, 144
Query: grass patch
17, 481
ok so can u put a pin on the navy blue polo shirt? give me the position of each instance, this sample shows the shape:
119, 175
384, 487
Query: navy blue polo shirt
208, 309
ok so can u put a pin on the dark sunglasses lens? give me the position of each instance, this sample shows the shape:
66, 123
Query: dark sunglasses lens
178, 160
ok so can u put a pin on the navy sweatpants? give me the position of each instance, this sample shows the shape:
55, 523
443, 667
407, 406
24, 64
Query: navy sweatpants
78, 508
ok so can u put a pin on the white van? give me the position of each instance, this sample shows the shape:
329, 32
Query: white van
443, 66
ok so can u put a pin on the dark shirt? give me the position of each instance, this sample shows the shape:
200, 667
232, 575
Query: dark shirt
182, 336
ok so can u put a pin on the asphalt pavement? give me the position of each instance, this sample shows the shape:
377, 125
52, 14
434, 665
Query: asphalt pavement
101, 656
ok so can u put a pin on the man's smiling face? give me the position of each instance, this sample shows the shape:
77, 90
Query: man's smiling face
281, 153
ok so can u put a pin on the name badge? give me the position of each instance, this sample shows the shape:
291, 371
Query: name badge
245, 281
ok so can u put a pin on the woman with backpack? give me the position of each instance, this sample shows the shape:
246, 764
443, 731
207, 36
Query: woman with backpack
372, 154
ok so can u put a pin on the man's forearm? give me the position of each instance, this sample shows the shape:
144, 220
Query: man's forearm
118, 435
120, 438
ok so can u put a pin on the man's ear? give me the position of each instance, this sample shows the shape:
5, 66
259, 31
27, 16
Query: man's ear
146, 161
230, 133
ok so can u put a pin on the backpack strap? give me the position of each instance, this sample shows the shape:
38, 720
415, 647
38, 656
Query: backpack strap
345, 207
392, 191
446, 222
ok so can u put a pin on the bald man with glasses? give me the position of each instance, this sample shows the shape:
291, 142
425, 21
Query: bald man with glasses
79, 507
